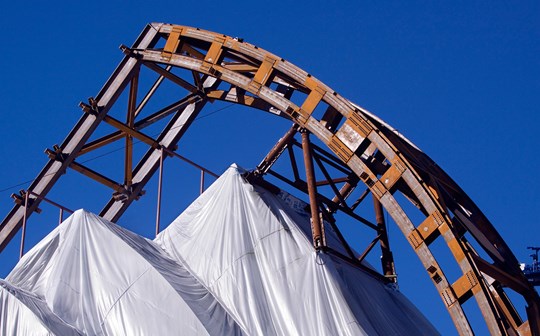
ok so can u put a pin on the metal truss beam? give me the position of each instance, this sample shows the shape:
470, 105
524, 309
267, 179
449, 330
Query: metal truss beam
150, 162
332, 206
77, 137
361, 146
317, 228
351, 142
141, 124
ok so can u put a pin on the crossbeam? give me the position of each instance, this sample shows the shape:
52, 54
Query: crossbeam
362, 148
76, 139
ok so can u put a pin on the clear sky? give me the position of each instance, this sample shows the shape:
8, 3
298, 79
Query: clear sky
461, 79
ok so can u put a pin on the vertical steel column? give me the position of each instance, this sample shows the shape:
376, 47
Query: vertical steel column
316, 227
23, 230
387, 259
130, 120
160, 183
77, 138
202, 182
61, 216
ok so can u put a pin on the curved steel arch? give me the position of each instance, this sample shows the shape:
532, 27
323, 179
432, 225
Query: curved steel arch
450, 213
382, 159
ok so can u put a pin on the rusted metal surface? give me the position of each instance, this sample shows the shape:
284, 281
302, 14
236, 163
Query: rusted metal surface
316, 225
387, 259
51, 202
368, 151
276, 151
77, 137
130, 120
355, 136
148, 165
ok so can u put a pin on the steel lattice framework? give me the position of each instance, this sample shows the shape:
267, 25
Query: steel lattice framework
363, 150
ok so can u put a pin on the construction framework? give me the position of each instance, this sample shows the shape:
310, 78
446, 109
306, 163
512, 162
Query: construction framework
363, 153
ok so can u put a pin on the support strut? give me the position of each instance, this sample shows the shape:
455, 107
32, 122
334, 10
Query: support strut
276, 151
316, 225
354, 136
387, 259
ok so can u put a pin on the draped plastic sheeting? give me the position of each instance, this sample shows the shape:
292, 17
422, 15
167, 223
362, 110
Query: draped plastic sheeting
23, 313
238, 261
251, 250
105, 280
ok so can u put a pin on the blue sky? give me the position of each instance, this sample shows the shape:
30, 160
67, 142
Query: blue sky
460, 79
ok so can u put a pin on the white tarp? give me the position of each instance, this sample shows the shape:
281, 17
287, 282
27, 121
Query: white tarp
105, 280
238, 261
23, 313
250, 249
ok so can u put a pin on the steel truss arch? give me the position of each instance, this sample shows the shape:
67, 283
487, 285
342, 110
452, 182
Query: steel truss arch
379, 157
